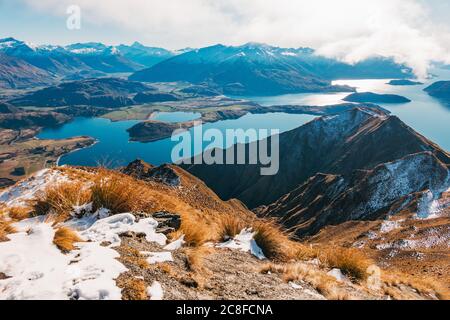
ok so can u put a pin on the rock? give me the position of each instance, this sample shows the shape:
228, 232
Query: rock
338, 275
167, 222
165, 174
137, 169
19, 171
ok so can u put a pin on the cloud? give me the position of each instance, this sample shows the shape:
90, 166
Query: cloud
413, 31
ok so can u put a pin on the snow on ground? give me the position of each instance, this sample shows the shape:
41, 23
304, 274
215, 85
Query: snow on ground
20, 193
157, 257
175, 245
388, 226
155, 291
109, 229
38, 270
244, 241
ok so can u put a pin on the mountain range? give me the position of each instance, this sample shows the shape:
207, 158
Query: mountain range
358, 164
260, 69
250, 69
80, 60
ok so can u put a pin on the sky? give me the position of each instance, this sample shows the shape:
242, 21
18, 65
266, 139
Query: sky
414, 32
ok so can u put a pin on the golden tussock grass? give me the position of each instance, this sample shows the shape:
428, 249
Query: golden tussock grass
19, 213
196, 231
60, 199
318, 279
427, 287
132, 256
5, 229
352, 262
119, 193
228, 226
273, 241
132, 288
65, 239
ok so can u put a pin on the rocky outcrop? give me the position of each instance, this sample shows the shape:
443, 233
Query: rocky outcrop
163, 174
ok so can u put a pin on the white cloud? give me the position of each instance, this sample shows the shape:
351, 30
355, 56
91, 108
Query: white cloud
413, 31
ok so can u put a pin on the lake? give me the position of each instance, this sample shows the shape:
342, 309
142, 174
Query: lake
114, 149
427, 115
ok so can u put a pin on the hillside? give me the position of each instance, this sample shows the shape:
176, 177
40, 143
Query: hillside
104, 92
357, 139
440, 89
17, 74
139, 237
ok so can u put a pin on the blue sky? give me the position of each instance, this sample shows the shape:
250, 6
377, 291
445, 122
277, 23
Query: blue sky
412, 31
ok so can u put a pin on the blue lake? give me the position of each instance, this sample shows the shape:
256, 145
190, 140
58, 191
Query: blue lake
114, 149
427, 115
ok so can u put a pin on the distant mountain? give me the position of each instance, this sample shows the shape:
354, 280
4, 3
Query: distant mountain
371, 97
90, 57
440, 89
16, 74
358, 139
104, 92
145, 56
248, 69
260, 69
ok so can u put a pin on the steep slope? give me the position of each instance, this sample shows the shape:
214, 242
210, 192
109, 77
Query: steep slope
104, 92
261, 69
16, 73
414, 182
356, 139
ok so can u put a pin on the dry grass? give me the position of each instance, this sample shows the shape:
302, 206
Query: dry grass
318, 279
132, 256
426, 287
5, 229
228, 226
133, 288
119, 193
352, 262
59, 200
273, 241
19, 213
196, 232
65, 238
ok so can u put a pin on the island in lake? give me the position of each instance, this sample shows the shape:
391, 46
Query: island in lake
404, 82
375, 98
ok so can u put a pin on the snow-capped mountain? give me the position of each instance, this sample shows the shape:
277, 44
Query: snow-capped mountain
261, 69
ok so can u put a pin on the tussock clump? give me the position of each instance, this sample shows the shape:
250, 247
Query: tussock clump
59, 200
19, 213
133, 289
196, 232
119, 193
228, 226
427, 287
351, 262
132, 256
65, 238
273, 241
318, 279
5, 229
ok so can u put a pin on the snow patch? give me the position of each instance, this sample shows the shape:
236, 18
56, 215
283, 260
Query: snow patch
244, 241
388, 226
22, 192
175, 245
157, 257
338, 275
155, 291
